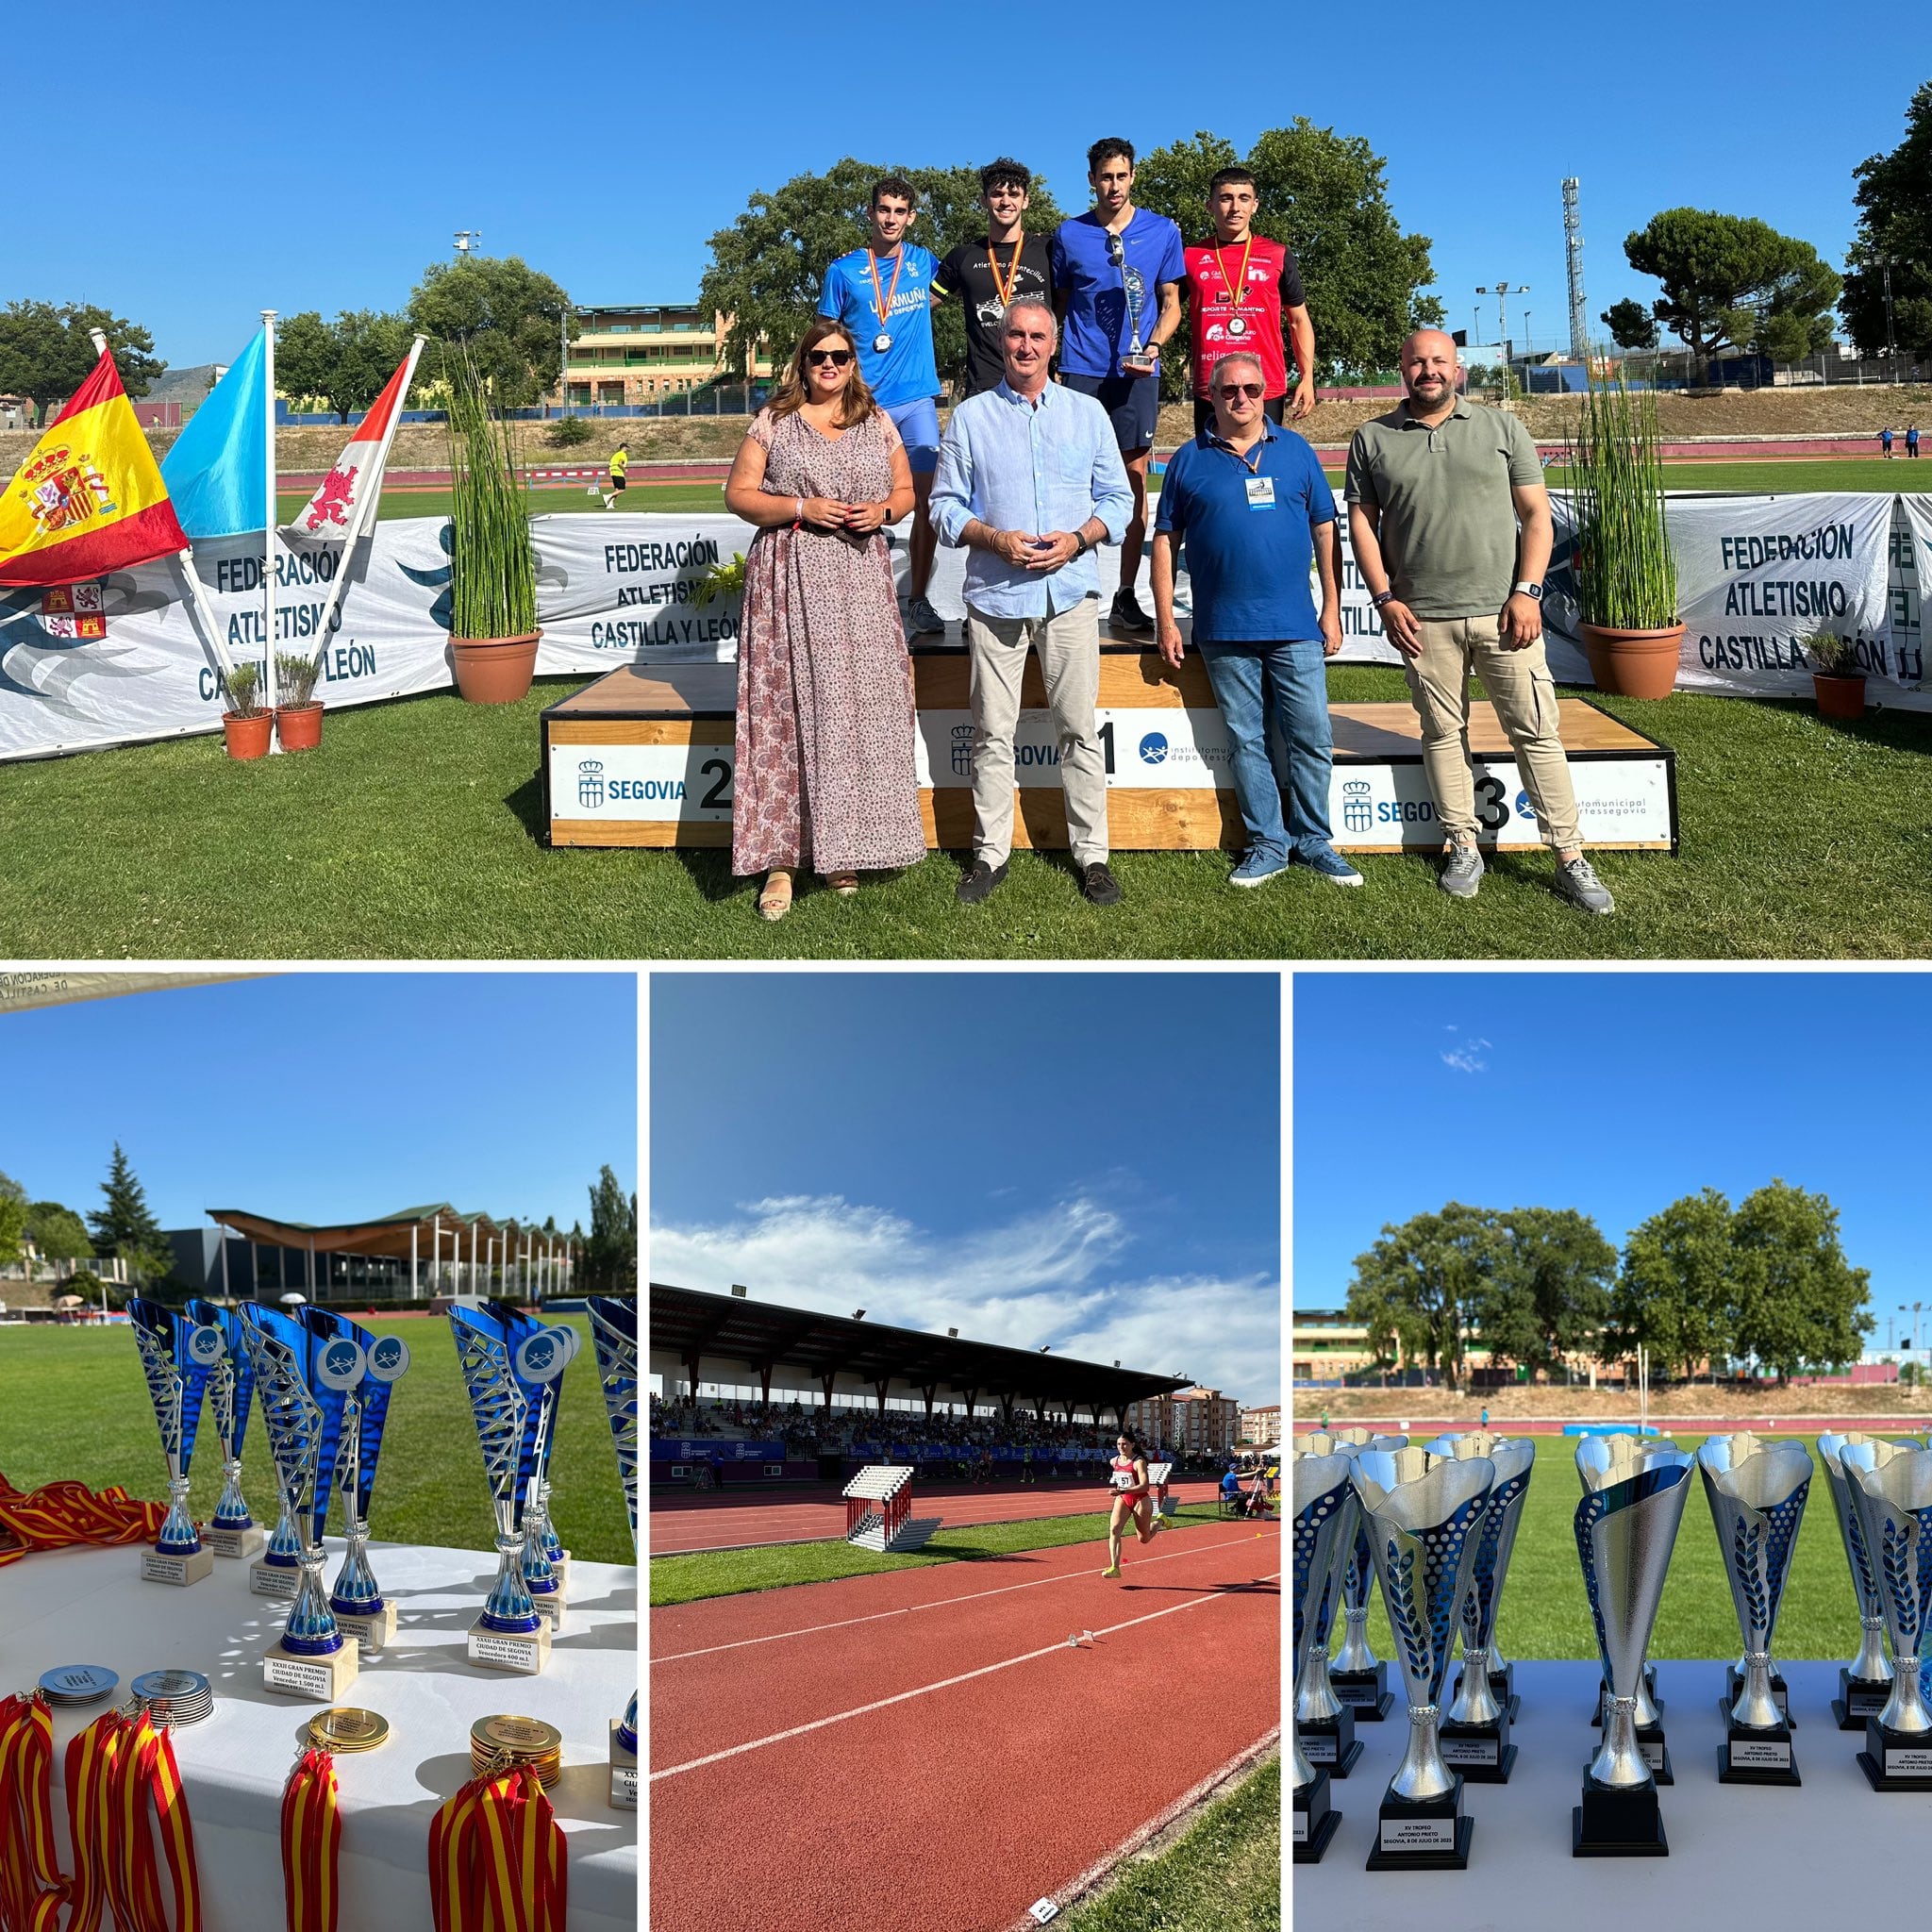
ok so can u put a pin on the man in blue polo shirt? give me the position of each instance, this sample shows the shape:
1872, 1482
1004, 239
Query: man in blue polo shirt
1255, 511
881, 294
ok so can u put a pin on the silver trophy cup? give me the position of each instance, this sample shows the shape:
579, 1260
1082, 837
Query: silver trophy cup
1356, 1675
1891, 1492
1325, 1515
1865, 1682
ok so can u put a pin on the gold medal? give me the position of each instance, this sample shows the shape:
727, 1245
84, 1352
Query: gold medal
1004, 289
1236, 287
498, 1745
347, 1729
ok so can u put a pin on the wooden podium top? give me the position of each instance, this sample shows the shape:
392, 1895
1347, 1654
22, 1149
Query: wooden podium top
1393, 730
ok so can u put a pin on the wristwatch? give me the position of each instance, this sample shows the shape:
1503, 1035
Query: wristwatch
1535, 590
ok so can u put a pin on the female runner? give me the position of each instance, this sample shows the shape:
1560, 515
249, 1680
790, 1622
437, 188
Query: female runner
1133, 1501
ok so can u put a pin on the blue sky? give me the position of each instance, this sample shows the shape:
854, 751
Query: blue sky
1613, 1093
252, 158
323, 1096
1087, 1159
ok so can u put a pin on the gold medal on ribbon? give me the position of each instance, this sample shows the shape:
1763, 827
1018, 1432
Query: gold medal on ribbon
882, 298
1235, 289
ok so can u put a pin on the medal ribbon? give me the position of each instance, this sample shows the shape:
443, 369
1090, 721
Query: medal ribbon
1234, 291
1004, 289
90, 1759
61, 1514
32, 1887
312, 1845
882, 300
144, 1780
497, 1858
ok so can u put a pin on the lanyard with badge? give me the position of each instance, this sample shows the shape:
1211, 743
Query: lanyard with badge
882, 298
1235, 289
1260, 489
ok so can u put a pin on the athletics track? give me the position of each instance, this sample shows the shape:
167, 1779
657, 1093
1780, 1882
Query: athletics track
922, 1748
684, 1520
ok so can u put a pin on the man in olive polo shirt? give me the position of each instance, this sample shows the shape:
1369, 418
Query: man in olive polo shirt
1451, 528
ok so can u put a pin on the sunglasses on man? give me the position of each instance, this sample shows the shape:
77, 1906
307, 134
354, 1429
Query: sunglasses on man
836, 359
1251, 390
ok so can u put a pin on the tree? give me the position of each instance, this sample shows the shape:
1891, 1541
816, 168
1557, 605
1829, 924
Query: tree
1421, 1281
125, 1226
10, 1190
46, 351
1894, 202
1324, 194
1729, 278
503, 312
13, 1227
1631, 324
1547, 1292
1799, 1300
610, 1253
767, 270
57, 1231
1675, 1294
342, 364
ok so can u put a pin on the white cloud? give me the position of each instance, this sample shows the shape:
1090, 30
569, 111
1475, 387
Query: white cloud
1466, 1055
1046, 1277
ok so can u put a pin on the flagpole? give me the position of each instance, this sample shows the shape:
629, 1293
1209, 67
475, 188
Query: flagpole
268, 535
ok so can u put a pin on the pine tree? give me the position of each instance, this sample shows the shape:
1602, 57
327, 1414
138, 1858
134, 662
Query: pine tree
125, 1225
610, 1255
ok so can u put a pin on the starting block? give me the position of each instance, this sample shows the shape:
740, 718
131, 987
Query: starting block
878, 1511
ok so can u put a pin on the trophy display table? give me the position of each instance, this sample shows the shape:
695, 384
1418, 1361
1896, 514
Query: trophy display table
90, 1606
1737, 1853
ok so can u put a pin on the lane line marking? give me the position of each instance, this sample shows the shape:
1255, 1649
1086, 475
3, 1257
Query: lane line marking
936, 1603
819, 1724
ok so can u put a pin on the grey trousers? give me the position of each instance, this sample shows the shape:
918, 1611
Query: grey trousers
1068, 643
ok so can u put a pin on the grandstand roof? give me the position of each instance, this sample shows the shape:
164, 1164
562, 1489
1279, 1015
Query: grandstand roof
386, 1234
688, 1320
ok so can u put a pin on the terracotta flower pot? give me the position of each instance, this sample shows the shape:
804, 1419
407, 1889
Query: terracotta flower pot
495, 670
299, 726
1839, 696
1634, 664
247, 736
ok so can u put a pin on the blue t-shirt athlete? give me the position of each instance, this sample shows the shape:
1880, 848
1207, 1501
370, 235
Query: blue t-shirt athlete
881, 294
1117, 273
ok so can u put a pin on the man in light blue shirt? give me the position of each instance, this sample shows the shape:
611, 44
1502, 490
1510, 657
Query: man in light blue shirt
1030, 480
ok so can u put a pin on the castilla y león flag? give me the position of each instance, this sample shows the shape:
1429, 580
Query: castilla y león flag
345, 505
90, 498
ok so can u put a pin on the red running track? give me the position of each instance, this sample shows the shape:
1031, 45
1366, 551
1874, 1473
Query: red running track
927, 1742
685, 1521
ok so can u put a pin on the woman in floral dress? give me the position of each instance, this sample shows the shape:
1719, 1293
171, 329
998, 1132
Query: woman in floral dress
825, 772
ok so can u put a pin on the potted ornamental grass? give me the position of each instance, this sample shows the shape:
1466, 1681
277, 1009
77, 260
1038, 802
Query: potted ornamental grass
245, 725
1627, 576
298, 710
494, 632
1837, 676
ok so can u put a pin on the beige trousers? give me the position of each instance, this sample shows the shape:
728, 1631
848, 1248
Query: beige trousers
1068, 643
1519, 684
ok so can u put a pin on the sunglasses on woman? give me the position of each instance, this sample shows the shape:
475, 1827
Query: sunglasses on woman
837, 359
1251, 390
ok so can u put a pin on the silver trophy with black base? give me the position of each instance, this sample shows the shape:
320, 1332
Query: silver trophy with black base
1757, 1492
1626, 1526
1424, 1513
1892, 1491
614, 1336
1356, 1675
1323, 1724
1325, 1516
1865, 1684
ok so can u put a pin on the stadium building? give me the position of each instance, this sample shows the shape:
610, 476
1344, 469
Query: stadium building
1199, 1423
632, 352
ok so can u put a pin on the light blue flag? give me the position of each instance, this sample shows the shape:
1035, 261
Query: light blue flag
216, 470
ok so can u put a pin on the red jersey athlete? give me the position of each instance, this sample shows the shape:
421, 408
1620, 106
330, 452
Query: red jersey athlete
1240, 285
1133, 1501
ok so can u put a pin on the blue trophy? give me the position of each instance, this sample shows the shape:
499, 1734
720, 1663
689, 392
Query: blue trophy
507, 1372
547, 1563
230, 1391
303, 1380
614, 1336
361, 1609
176, 1356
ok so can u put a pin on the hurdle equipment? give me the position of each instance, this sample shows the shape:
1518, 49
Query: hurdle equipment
878, 1511
1158, 1474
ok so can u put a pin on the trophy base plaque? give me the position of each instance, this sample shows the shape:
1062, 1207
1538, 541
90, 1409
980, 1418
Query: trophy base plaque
242, 1543
1365, 1693
374, 1630
1733, 1689
1612, 1822
623, 1772
500, 1650
1750, 1756
1315, 1819
1603, 1694
1431, 1835
1482, 1752
1859, 1698
272, 1579
324, 1679
1330, 1746
1896, 1760
155, 1566
550, 1608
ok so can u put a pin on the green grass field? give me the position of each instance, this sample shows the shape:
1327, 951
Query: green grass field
1545, 1613
686, 499
73, 1404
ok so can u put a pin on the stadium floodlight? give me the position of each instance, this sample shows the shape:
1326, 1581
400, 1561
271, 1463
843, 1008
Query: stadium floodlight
466, 238
858, 1314
739, 1289
954, 1332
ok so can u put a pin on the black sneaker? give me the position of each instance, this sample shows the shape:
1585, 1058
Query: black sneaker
1127, 614
1098, 885
979, 882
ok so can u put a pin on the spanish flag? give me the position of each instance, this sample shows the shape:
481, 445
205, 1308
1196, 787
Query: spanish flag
90, 498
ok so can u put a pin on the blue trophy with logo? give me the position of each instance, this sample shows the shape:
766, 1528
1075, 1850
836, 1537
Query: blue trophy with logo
303, 1380
360, 1605
233, 1531
177, 1356
507, 1371
614, 1336
547, 1563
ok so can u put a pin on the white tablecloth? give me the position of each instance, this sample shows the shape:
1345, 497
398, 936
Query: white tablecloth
1775, 1858
66, 1606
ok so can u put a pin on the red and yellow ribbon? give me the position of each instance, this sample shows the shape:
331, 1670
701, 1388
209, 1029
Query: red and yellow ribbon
497, 1858
312, 1845
145, 1807
32, 1887
57, 1515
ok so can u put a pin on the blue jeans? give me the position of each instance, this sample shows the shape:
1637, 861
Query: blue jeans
1286, 682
